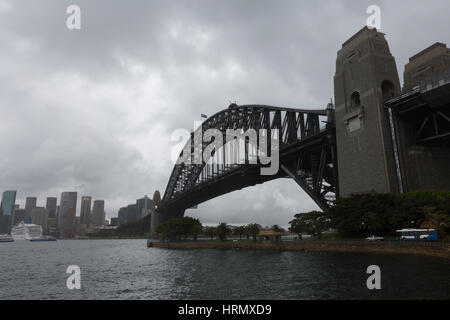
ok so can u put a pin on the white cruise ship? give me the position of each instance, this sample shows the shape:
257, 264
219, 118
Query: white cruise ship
24, 231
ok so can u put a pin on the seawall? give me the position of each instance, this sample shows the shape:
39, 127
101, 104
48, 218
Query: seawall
433, 249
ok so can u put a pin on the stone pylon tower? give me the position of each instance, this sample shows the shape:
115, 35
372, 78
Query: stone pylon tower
154, 221
366, 76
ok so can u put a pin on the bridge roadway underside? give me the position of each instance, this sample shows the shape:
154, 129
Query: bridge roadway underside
245, 176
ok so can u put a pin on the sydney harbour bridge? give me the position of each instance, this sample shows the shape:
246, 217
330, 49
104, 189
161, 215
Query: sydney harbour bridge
377, 138
306, 151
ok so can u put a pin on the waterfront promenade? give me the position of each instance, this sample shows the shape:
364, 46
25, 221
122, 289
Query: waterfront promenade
434, 249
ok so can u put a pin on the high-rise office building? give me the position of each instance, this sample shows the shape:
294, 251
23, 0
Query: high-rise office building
7, 210
114, 222
85, 212
122, 215
30, 203
132, 214
39, 216
144, 206
57, 214
51, 207
19, 216
77, 224
98, 212
67, 213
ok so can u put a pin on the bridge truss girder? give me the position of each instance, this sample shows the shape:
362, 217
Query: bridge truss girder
307, 154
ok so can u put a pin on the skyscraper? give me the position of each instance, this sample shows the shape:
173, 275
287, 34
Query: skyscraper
98, 211
30, 203
67, 213
6, 211
122, 215
51, 207
132, 214
39, 216
143, 205
85, 210
19, 216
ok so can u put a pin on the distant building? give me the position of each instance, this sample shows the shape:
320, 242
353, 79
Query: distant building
57, 216
122, 215
30, 203
19, 216
77, 224
128, 214
85, 212
52, 212
98, 212
39, 216
67, 213
269, 236
132, 214
51, 207
7, 210
143, 206
114, 222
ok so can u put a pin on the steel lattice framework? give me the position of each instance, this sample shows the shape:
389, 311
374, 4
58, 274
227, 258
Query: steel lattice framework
426, 109
307, 154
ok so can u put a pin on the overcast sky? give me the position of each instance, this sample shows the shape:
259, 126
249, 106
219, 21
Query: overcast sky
92, 110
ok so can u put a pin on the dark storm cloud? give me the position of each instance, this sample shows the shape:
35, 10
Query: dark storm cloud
93, 110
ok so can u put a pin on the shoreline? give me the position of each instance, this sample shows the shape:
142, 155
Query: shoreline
438, 249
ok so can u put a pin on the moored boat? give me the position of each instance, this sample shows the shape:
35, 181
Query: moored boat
43, 239
6, 238
25, 231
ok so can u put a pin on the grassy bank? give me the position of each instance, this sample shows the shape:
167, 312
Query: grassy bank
434, 249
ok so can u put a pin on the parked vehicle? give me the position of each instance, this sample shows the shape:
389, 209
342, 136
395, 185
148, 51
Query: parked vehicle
374, 238
418, 234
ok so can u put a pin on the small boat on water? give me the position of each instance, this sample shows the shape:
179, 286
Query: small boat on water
43, 239
6, 238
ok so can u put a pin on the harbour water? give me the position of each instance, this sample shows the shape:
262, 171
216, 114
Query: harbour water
127, 269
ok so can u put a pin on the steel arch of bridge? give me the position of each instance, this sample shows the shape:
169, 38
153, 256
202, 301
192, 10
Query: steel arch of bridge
307, 154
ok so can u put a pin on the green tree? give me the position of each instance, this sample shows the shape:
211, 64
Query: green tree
240, 231
191, 227
434, 218
180, 228
314, 222
277, 228
222, 230
383, 214
253, 230
354, 216
170, 230
209, 232
299, 225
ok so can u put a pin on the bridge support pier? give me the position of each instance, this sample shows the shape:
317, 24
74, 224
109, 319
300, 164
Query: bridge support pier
163, 215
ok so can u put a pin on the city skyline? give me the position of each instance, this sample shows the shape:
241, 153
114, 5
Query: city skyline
56, 216
91, 211
43, 202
